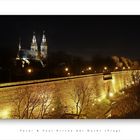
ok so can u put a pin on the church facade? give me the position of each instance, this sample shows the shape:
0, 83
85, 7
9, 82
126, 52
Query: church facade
35, 52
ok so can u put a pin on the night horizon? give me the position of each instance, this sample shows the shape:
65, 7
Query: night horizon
84, 36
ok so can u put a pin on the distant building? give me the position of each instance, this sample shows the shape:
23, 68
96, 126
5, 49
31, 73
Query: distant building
35, 52
43, 47
19, 49
31, 61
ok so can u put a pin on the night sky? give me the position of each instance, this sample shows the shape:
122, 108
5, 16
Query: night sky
84, 36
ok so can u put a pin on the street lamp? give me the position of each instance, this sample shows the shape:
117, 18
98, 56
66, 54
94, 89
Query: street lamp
89, 68
116, 68
53, 109
133, 82
68, 73
29, 70
83, 71
66, 69
105, 68
111, 94
123, 68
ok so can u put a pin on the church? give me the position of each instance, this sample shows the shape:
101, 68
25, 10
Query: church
32, 61
35, 52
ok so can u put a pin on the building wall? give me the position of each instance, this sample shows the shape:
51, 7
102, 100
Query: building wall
61, 94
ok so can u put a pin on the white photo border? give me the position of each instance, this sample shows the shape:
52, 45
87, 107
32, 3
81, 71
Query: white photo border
70, 129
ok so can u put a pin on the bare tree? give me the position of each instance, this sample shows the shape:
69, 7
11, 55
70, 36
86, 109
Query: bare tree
46, 104
32, 102
82, 97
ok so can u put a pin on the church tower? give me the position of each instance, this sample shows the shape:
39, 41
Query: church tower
34, 47
43, 47
19, 49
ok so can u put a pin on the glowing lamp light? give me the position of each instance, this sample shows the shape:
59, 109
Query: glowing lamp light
53, 109
99, 100
5, 113
123, 68
82, 71
105, 68
111, 94
66, 69
68, 73
116, 68
89, 68
29, 70
95, 100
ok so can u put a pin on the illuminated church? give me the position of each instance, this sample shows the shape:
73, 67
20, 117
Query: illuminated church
35, 52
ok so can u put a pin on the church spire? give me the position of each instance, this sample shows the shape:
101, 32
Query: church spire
43, 38
34, 47
19, 49
43, 47
34, 43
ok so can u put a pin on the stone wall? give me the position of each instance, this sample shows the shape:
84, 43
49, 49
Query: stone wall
60, 97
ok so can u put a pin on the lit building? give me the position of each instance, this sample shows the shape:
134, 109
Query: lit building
43, 47
34, 48
35, 52
19, 49
31, 61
